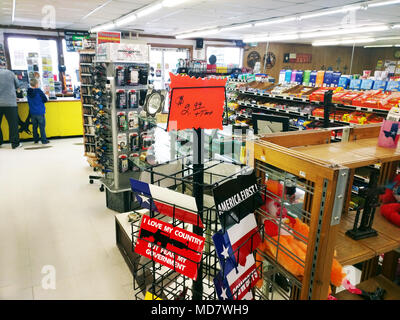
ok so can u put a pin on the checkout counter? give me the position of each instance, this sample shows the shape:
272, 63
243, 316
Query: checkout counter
63, 118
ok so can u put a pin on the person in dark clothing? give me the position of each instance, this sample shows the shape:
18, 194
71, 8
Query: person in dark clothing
36, 101
8, 106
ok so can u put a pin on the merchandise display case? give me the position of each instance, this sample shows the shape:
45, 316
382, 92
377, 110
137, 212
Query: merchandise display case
86, 59
304, 104
153, 277
324, 173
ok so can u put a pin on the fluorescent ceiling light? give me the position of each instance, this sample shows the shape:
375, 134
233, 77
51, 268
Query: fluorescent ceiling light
197, 34
275, 21
237, 27
397, 45
396, 26
267, 38
343, 31
380, 46
382, 3
329, 12
125, 20
341, 42
96, 9
173, 3
148, 10
104, 27
388, 38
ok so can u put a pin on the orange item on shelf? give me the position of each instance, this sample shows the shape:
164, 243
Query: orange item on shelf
358, 117
318, 95
318, 112
349, 97
337, 97
373, 118
359, 101
338, 116
319, 81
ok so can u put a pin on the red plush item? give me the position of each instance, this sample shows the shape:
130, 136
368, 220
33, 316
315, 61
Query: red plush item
390, 207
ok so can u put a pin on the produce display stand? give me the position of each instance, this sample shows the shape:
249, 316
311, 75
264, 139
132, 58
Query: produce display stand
310, 156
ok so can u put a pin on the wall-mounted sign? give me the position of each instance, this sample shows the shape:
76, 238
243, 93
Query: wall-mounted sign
123, 52
252, 58
196, 103
297, 57
108, 37
173, 247
74, 40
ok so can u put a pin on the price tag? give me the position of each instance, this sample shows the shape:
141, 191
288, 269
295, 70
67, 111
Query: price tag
196, 103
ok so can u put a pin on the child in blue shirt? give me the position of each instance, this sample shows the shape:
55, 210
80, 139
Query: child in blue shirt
36, 101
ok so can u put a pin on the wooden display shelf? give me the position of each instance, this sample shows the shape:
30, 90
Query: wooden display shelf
311, 156
370, 285
383, 242
350, 252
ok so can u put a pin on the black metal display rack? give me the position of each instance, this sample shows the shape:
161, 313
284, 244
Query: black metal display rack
124, 136
164, 283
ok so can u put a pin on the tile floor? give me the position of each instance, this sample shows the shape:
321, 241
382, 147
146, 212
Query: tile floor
51, 216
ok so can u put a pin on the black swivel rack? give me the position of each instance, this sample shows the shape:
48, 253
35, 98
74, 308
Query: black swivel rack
152, 277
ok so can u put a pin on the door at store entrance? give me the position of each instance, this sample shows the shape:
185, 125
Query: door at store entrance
162, 62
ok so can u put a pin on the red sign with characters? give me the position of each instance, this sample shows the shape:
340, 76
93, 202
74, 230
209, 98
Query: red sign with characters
106, 36
196, 103
173, 247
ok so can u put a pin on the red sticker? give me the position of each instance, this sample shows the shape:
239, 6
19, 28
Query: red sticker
196, 103
170, 246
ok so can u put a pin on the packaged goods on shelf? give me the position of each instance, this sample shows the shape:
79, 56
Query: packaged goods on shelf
359, 101
348, 98
301, 91
318, 95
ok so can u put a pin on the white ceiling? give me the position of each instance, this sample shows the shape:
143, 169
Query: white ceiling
196, 14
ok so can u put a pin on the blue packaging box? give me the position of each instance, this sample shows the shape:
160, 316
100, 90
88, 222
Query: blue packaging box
288, 75
299, 76
313, 77
335, 78
367, 84
328, 78
344, 82
393, 86
380, 84
355, 84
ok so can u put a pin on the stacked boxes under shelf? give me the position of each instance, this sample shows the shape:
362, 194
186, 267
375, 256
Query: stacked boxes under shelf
89, 135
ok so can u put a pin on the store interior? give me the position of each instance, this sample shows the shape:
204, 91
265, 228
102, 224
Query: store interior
202, 150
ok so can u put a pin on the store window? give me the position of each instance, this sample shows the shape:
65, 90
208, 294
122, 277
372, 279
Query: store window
32, 57
162, 62
231, 57
71, 61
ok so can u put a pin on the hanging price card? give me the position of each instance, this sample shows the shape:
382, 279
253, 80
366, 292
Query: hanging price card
196, 103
